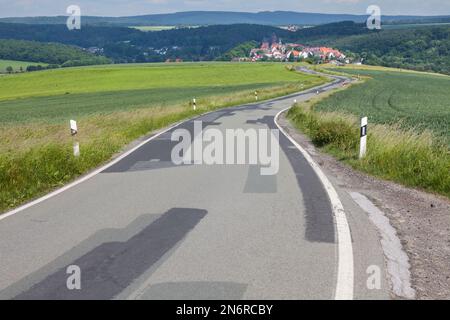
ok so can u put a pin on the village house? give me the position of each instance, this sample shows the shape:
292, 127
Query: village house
293, 51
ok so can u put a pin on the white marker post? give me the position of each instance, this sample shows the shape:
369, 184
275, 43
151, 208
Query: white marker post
256, 95
73, 128
76, 149
363, 144
194, 102
73, 133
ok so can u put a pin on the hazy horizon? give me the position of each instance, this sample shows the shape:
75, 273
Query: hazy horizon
117, 8
231, 11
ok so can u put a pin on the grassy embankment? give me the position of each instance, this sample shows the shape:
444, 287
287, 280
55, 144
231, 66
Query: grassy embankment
113, 105
409, 126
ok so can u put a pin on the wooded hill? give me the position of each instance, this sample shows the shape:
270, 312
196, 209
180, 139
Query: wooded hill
424, 48
50, 53
201, 18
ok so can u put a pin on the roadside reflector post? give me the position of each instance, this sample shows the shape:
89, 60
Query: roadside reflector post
363, 144
73, 128
76, 149
73, 133
256, 95
194, 103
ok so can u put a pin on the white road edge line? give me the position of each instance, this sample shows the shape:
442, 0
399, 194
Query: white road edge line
345, 273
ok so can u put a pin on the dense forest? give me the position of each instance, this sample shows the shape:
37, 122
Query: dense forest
217, 35
425, 48
193, 44
242, 50
86, 37
422, 49
50, 53
131, 45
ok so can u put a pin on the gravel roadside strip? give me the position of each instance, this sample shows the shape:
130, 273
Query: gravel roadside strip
422, 220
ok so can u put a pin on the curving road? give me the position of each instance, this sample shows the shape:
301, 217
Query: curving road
143, 228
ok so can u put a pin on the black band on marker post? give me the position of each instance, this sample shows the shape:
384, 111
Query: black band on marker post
363, 131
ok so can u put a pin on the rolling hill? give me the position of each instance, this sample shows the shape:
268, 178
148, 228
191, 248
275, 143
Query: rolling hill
50, 53
273, 18
193, 44
424, 48
421, 49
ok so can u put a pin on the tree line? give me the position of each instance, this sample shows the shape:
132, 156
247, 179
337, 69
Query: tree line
53, 54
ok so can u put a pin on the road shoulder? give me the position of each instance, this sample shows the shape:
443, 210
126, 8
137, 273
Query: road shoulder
420, 219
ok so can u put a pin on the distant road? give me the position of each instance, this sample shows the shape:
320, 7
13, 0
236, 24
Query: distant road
147, 229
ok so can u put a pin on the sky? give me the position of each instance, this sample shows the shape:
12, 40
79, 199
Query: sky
20, 8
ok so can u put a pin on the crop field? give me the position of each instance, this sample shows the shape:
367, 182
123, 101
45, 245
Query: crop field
413, 100
409, 125
60, 94
16, 65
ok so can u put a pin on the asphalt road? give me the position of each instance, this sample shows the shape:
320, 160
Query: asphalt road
145, 228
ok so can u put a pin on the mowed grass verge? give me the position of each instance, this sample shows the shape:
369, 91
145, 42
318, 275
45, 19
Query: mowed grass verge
408, 128
36, 147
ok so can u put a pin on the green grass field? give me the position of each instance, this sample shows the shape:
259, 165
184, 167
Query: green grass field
74, 92
415, 100
16, 65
